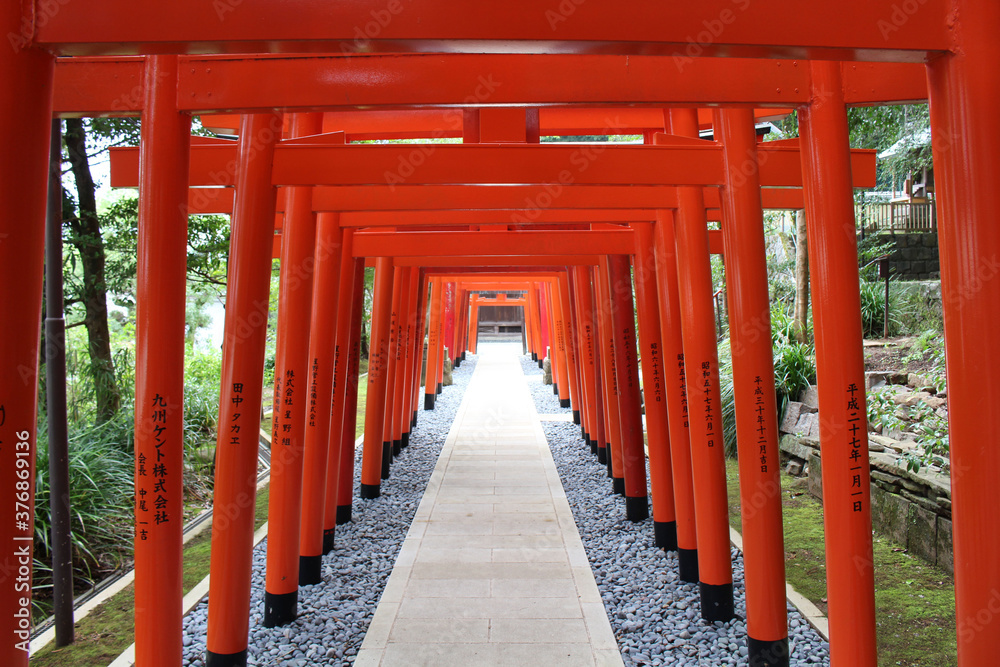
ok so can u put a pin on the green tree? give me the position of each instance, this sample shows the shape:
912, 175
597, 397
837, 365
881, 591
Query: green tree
102, 249
90, 290
879, 128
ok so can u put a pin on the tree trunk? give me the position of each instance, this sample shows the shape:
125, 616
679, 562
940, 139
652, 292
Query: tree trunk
364, 341
801, 315
87, 239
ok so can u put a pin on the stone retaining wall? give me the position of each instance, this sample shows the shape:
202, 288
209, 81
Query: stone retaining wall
915, 256
911, 508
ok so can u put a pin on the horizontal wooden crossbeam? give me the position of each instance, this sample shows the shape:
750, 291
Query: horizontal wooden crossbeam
395, 90
378, 205
845, 30
496, 244
683, 162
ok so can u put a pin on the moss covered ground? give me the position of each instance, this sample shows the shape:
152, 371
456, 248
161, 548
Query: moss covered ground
110, 628
914, 601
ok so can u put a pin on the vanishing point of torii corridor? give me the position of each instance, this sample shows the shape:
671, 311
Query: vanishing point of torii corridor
322, 111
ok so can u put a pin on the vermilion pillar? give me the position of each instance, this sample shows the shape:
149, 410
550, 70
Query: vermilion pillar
654, 389
675, 377
612, 428
433, 340
629, 407
603, 453
249, 281
161, 299
545, 328
536, 323
339, 361
560, 358
528, 333
450, 301
585, 358
401, 416
388, 446
553, 351
418, 344
345, 486
411, 383
393, 391
378, 351
331, 303
753, 387
474, 326
833, 250
25, 117
964, 92
461, 325
442, 335
569, 332
291, 394
583, 299
702, 364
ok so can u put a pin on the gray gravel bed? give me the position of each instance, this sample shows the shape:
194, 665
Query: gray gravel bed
655, 616
546, 403
334, 615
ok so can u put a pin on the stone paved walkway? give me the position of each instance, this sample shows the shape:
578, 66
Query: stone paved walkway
492, 571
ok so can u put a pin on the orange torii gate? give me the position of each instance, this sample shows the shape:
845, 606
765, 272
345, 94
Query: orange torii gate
479, 301
963, 90
493, 239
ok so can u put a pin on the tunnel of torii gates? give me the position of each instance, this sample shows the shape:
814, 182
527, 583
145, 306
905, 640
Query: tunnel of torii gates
561, 223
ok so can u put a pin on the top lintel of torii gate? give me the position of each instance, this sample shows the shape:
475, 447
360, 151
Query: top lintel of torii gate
893, 30
412, 92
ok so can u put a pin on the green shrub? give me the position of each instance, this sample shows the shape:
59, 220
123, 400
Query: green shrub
921, 311
794, 370
727, 402
873, 309
100, 495
202, 373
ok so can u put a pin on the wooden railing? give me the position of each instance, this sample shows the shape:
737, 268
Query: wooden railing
896, 216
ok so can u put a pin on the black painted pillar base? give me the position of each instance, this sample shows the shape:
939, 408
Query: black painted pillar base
413, 422
329, 536
463, 354
665, 535
764, 653
611, 472
534, 357
541, 363
576, 417
344, 514
440, 388
717, 602
280, 608
602, 454
370, 491
637, 508
687, 560
310, 570
404, 442
618, 485
397, 447
555, 389
457, 362
590, 443
564, 403
226, 659
386, 459
429, 401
